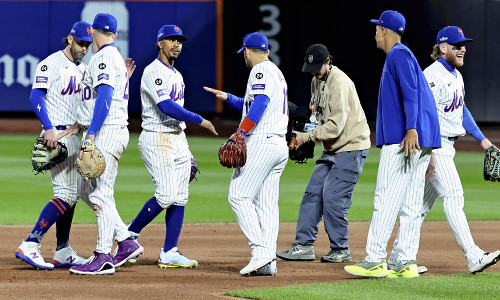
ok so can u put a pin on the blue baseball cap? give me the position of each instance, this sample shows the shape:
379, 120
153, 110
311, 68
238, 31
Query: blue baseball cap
255, 40
81, 31
170, 30
392, 20
105, 22
451, 35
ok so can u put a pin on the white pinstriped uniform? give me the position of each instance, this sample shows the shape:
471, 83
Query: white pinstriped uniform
106, 67
61, 79
449, 94
162, 143
254, 188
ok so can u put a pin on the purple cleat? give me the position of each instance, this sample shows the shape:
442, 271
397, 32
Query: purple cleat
127, 249
99, 264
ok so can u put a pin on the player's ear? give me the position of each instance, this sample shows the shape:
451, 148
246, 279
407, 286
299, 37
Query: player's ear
70, 39
159, 44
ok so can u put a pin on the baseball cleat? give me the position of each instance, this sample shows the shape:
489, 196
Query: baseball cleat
67, 257
297, 252
421, 270
486, 261
408, 269
368, 269
267, 270
255, 264
337, 255
174, 259
99, 264
127, 249
29, 252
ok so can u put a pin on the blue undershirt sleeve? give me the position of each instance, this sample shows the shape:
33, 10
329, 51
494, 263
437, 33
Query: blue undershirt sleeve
174, 110
40, 108
257, 108
470, 125
235, 102
101, 108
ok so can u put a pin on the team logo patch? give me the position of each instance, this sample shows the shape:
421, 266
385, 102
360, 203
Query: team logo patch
158, 81
102, 66
258, 86
259, 75
103, 76
162, 92
41, 79
44, 68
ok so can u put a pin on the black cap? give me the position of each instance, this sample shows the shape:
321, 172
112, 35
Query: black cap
314, 58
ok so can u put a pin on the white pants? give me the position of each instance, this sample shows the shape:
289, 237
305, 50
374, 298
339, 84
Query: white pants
111, 140
65, 175
254, 192
168, 160
398, 190
446, 184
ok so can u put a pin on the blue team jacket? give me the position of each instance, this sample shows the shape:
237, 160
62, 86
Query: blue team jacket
405, 101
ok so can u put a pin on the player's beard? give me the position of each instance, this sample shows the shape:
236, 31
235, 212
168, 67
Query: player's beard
77, 55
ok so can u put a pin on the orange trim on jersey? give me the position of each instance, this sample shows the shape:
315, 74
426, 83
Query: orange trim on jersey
247, 125
57, 203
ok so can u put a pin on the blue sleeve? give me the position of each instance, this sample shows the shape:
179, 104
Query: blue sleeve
235, 102
406, 76
38, 104
101, 108
471, 126
257, 108
174, 110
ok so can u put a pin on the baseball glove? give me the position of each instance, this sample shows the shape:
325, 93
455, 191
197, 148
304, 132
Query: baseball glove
92, 163
491, 168
194, 170
233, 153
44, 158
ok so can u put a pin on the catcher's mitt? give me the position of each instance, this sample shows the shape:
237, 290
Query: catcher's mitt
233, 153
194, 170
44, 158
92, 163
491, 168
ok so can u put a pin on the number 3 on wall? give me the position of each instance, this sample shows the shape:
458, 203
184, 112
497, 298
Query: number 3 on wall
274, 30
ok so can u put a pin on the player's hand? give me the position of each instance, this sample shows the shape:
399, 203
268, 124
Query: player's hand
410, 142
299, 139
88, 137
431, 167
219, 94
73, 129
208, 125
49, 138
130, 65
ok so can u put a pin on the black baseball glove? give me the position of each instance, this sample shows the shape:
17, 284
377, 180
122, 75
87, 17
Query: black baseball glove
491, 167
45, 158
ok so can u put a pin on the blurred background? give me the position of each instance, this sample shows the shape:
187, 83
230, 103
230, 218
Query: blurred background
32, 30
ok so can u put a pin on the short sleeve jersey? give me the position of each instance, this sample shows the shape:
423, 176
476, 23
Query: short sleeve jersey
61, 79
449, 93
105, 67
160, 82
266, 79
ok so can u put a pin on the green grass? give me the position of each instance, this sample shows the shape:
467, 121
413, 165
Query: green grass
23, 194
460, 286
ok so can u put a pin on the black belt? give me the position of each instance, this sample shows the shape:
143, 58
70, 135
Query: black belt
61, 127
452, 138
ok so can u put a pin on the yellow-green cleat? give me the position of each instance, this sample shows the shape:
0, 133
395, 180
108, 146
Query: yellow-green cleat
368, 269
403, 270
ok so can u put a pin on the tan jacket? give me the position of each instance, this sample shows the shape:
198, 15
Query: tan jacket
342, 122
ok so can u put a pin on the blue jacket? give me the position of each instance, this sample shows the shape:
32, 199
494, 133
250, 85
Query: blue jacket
405, 101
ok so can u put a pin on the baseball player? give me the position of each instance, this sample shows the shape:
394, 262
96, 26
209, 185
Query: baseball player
163, 145
345, 135
407, 131
55, 94
455, 120
254, 188
103, 115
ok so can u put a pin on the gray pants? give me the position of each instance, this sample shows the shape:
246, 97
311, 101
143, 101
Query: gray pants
329, 195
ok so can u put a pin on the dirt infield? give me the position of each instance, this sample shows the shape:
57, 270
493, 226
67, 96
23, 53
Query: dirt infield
221, 250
